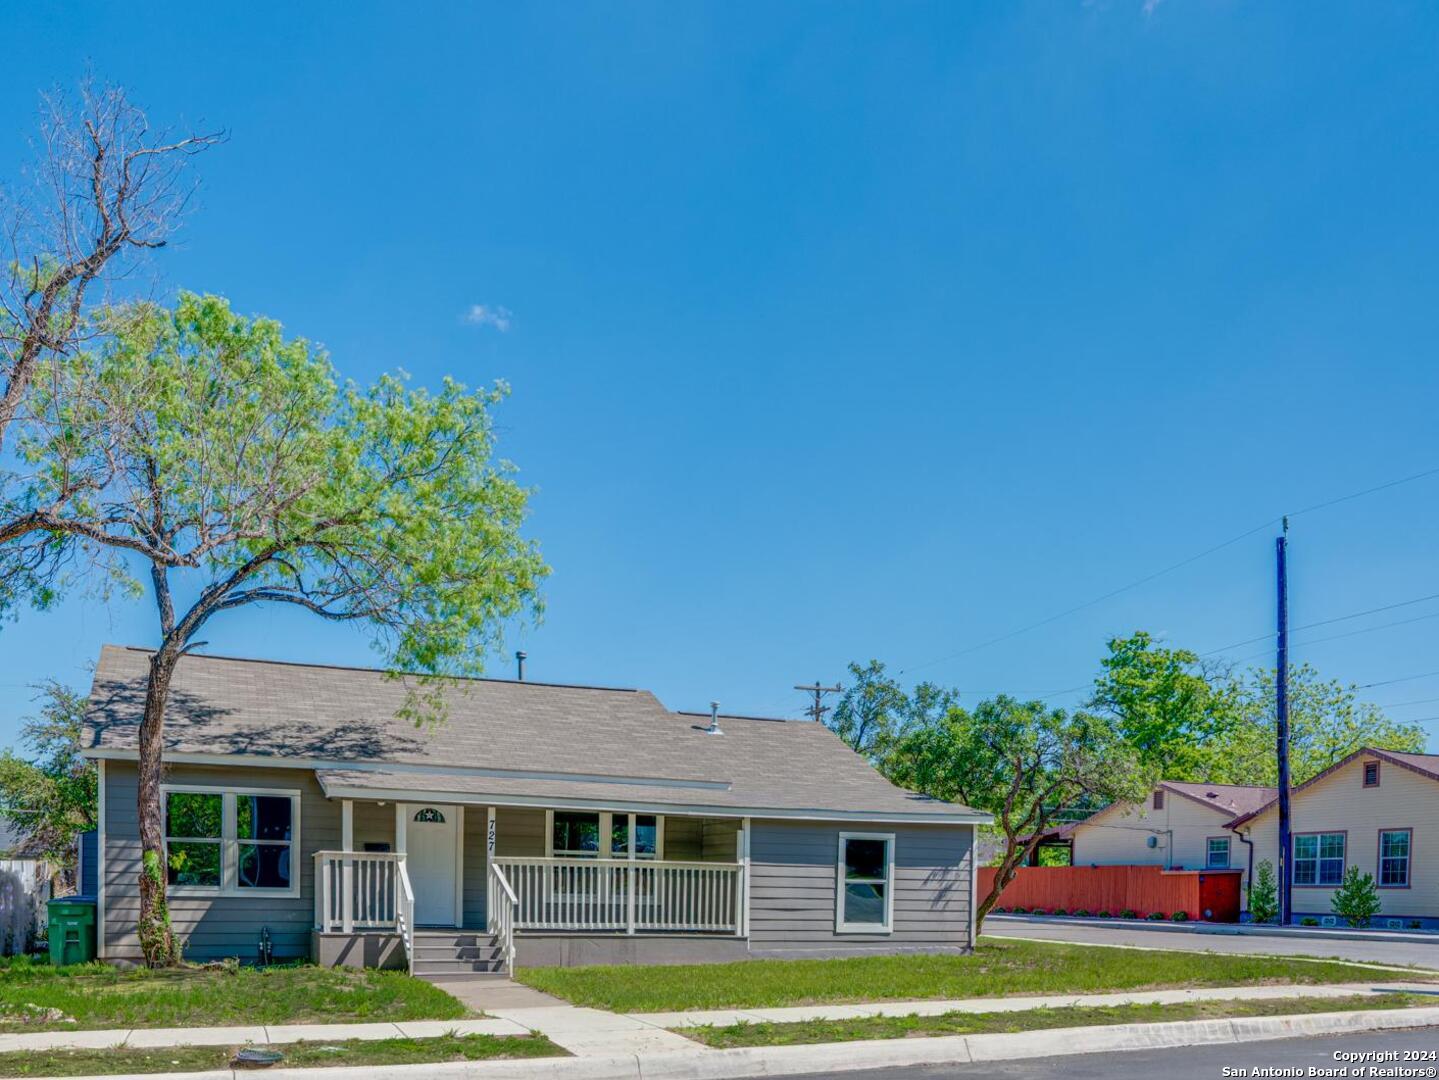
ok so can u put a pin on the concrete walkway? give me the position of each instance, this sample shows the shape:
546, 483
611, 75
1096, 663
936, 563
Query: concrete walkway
797, 1014
594, 1033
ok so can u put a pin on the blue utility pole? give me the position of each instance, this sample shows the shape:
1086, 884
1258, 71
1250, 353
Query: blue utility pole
1281, 711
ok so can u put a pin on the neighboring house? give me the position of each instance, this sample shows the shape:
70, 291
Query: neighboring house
1377, 810
24, 888
535, 823
1181, 826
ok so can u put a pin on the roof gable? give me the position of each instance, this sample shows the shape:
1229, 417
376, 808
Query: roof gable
1426, 765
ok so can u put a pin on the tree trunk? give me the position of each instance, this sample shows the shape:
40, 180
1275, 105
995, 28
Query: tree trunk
157, 940
1015, 856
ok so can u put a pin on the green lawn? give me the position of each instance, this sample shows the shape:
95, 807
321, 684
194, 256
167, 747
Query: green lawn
100, 996
350, 1052
996, 967
903, 1027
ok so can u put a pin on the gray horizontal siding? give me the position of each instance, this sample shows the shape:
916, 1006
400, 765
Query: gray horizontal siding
213, 927
792, 887
520, 833
475, 869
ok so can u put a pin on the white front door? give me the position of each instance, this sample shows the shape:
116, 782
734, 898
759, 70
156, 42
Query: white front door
431, 856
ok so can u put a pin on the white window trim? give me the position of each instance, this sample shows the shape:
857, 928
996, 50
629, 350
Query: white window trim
842, 927
1209, 863
230, 843
606, 828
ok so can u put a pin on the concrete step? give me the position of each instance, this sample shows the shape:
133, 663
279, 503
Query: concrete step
439, 968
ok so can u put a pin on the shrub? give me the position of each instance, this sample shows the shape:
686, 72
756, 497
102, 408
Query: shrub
1155, 916
1080, 913
1415, 924
1180, 916
1038, 911
1356, 899
1059, 911
1103, 913
1309, 920
997, 910
1264, 894
1127, 913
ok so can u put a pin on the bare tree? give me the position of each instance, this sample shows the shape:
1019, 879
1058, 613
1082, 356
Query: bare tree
106, 186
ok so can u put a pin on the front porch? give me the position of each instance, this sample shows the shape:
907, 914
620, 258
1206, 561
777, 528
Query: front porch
443, 888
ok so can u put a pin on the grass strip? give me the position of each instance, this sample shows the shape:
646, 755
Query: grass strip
302, 1055
911, 1027
37, 997
996, 967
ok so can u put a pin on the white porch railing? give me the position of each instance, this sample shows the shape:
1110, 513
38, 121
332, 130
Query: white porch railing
501, 903
624, 894
405, 912
356, 890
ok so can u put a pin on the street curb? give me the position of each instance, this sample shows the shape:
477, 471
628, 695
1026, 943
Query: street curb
756, 1061
1317, 933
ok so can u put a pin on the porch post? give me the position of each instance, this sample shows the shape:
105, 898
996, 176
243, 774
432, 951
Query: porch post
632, 879
347, 864
490, 901
741, 919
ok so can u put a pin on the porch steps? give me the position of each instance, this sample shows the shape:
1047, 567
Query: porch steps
439, 953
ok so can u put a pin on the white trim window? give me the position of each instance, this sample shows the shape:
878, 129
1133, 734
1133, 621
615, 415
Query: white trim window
232, 841
1216, 855
577, 834
864, 884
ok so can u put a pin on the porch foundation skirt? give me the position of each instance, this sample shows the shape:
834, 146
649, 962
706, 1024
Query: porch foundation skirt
577, 950
359, 949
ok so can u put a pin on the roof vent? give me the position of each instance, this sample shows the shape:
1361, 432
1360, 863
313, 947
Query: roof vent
714, 728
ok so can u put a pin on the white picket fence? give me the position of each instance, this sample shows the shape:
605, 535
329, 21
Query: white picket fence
24, 889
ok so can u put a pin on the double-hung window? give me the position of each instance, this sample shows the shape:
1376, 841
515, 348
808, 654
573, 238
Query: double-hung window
1394, 848
865, 883
233, 842
1318, 859
1216, 857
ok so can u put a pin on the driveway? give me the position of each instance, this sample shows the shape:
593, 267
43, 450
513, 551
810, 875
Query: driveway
1403, 953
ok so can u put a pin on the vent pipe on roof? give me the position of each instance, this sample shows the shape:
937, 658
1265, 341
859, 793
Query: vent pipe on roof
520, 658
714, 728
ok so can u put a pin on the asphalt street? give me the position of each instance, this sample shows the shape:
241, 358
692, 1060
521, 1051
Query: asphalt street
1192, 1063
1404, 953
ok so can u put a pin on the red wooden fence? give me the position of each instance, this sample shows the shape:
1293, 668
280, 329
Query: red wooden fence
1212, 895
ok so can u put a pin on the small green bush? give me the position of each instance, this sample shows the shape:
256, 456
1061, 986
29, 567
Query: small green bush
1127, 913
1155, 916
1415, 924
1104, 914
1059, 911
1357, 899
1309, 920
1180, 916
1080, 913
1264, 894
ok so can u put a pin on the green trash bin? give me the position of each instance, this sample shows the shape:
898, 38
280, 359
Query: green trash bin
72, 931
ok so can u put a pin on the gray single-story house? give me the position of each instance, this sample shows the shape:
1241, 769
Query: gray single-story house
534, 824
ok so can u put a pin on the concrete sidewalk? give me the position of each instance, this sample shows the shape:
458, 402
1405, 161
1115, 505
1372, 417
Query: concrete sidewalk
800, 1013
596, 1033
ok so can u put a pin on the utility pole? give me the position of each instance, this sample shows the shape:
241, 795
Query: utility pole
1281, 717
818, 709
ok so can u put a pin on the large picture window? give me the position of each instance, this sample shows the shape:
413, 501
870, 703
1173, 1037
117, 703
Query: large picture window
864, 887
1319, 859
1394, 848
234, 842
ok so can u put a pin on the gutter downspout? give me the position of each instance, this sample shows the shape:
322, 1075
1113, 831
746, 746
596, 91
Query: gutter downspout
1243, 835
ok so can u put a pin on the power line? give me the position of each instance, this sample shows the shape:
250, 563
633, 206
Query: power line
1327, 622
1351, 633
1168, 570
1391, 682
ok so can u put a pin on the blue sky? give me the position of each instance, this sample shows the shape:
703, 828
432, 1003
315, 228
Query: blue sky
841, 331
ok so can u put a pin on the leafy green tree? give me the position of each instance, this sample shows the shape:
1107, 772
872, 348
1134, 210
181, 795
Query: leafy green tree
1164, 703
1021, 762
1327, 722
874, 710
207, 459
49, 796
1357, 898
1264, 893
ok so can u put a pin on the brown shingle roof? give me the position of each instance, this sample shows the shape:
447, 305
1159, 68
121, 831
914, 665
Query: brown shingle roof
499, 738
1233, 799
